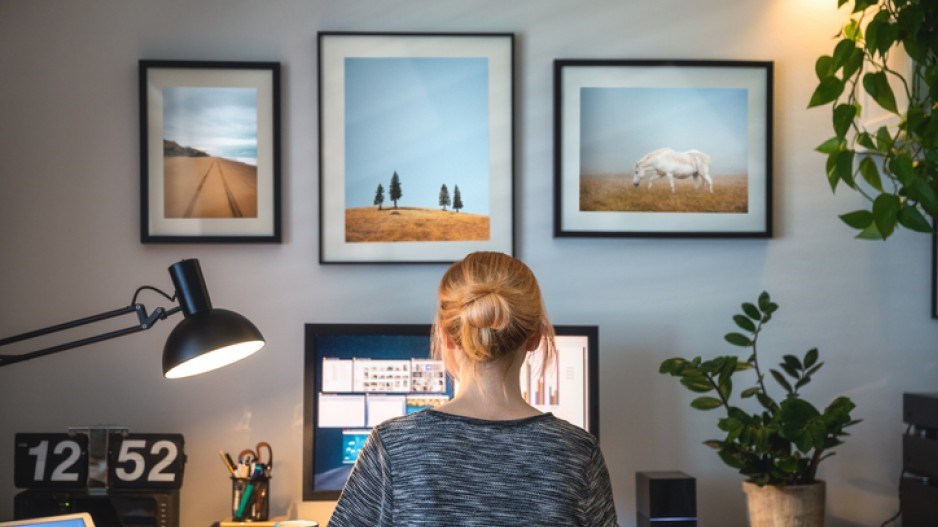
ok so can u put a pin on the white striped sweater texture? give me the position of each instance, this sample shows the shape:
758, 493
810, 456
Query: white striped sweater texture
436, 469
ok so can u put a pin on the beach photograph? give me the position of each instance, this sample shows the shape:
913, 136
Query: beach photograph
210, 152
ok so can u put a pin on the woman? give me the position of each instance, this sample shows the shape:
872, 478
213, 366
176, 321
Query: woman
486, 457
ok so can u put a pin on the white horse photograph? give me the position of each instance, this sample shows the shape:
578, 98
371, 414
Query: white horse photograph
666, 163
695, 139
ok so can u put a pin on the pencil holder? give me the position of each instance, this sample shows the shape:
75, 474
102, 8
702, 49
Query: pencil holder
250, 499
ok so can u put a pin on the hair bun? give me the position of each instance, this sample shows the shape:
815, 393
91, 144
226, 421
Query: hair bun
486, 308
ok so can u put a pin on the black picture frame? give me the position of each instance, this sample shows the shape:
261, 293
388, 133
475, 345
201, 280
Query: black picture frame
619, 124
449, 122
209, 152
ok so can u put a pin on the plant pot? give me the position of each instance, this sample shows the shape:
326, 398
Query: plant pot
785, 505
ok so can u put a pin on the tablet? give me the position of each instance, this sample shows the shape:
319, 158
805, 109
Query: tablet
82, 519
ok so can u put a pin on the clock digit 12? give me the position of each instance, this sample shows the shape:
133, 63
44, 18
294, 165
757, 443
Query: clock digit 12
50, 461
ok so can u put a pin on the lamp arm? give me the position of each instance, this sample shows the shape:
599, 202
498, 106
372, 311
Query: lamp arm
144, 321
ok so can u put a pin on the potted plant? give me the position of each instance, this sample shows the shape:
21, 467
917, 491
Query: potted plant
776, 443
894, 167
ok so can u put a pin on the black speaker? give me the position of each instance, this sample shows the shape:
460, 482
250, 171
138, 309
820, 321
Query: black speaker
920, 410
666, 498
919, 502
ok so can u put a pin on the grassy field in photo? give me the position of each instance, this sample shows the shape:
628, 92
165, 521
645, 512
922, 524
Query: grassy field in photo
412, 224
616, 194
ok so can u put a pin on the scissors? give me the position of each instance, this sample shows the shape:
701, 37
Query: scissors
255, 456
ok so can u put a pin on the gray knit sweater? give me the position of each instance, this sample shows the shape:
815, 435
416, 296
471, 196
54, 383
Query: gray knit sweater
436, 469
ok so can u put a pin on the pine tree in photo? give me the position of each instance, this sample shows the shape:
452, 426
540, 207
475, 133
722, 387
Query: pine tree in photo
444, 197
395, 189
457, 199
379, 196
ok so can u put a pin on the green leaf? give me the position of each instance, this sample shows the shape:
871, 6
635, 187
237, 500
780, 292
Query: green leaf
902, 167
791, 371
706, 403
877, 85
672, 366
738, 339
764, 301
792, 361
779, 378
883, 139
861, 5
824, 66
872, 33
834, 144
912, 219
870, 233
858, 219
911, 18
888, 35
870, 173
843, 116
697, 385
752, 311
842, 52
864, 140
714, 444
749, 392
814, 369
886, 213
853, 63
852, 29
766, 402
840, 168
811, 357
922, 193
745, 323
827, 91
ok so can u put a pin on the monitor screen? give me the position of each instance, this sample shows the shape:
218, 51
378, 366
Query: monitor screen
69, 520
358, 375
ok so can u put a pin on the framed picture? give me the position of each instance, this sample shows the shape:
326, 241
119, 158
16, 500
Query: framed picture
662, 148
209, 151
416, 139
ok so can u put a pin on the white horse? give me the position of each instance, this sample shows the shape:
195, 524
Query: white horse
665, 162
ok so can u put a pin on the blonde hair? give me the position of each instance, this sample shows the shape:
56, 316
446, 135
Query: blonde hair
490, 307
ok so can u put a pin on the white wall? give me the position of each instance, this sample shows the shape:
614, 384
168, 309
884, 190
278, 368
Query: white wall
69, 177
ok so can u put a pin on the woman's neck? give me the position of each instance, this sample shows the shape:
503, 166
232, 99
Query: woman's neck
492, 392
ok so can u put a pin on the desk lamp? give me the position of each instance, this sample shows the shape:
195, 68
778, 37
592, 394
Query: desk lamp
206, 339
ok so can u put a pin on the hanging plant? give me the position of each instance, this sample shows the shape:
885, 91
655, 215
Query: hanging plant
894, 168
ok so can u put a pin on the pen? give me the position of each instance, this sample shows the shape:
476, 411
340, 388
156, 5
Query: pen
226, 459
249, 491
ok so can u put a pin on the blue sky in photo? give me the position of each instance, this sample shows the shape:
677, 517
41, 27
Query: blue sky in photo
620, 125
424, 118
219, 121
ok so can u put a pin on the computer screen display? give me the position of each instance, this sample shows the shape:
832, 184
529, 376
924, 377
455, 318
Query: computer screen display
68, 520
358, 375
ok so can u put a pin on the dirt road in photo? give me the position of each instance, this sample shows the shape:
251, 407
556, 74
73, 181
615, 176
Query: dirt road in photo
209, 187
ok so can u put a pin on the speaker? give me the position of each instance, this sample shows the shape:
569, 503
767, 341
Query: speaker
920, 410
919, 502
666, 498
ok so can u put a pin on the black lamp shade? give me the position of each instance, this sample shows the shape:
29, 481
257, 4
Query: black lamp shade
209, 339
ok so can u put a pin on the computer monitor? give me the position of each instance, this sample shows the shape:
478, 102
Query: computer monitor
68, 520
358, 375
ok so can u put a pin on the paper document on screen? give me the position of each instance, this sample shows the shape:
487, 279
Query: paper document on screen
336, 375
341, 411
